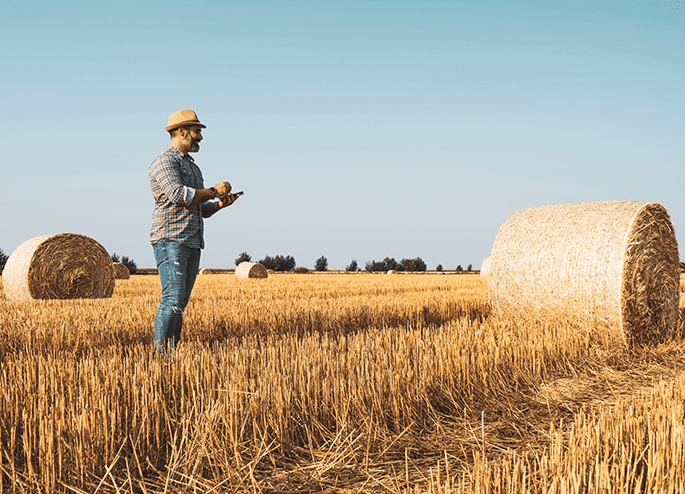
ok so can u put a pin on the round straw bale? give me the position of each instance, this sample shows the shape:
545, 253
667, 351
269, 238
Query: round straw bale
485, 269
121, 272
62, 266
206, 271
611, 264
392, 271
250, 270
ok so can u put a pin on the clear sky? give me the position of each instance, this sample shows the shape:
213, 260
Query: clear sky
357, 129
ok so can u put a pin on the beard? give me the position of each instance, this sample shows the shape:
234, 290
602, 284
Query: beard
191, 144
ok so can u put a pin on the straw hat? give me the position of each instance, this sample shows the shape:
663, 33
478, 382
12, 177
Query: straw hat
182, 118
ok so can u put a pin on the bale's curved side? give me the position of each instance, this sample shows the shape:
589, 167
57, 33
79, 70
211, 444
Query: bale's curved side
246, 270
569, 260
650, 293
121, 272
62, 266
485, 268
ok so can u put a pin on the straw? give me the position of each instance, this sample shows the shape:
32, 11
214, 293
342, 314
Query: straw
612, 264
62, 266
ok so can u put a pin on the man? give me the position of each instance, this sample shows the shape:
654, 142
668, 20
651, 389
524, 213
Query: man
181, 203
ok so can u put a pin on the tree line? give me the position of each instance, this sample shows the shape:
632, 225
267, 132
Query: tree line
287, 263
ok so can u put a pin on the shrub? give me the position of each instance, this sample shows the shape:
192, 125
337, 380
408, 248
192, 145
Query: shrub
438, 267
279, 263
469, 267
300, 270
459, 269
3, 260
321, 264
244, 257
352, 266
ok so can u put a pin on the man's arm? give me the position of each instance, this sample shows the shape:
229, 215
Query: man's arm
219, 190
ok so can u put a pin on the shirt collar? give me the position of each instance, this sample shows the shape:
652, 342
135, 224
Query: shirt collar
176, 152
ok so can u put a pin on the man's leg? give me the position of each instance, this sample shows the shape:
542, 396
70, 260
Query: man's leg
174, 269
193, 267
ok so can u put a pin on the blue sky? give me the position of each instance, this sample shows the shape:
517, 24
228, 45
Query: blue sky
357, 129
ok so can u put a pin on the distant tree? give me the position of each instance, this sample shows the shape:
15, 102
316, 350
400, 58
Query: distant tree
244, 257
115, 258
469, 267
459, 269
3, 260
682, 266
390, 263
375, 266
130, 264
415, 264
352, 266
438, 267
321, 264
279, 263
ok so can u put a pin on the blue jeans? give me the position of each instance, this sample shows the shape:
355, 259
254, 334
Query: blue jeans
177, 266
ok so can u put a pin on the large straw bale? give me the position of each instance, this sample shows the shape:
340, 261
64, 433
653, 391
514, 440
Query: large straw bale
121, 271
610, 264
250, 270
62, 266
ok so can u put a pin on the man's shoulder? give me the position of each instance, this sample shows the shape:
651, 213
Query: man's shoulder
168, 155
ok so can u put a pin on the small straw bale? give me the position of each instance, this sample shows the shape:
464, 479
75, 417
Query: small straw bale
485, 269
206, 271
392, 271
612, 265
62, 266
250, 270
121, 272
270, 271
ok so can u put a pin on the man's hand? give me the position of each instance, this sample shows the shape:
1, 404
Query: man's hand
229, 199
222, 189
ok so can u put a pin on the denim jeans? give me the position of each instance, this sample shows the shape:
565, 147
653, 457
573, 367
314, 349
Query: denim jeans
178, 266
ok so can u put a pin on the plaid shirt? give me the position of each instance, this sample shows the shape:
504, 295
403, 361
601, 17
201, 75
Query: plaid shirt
174, 177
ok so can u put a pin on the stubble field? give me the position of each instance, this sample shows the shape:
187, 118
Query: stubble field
331, 383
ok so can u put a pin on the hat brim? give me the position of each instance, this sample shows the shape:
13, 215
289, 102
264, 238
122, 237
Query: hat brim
187, 123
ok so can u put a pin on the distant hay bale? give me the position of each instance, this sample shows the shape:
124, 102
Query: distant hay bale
270, 271
206, 271
485, 269
392, 271
121, 272
62, 266
250, 270
611, 264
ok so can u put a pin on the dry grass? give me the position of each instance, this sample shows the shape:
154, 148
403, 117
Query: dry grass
330, 384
